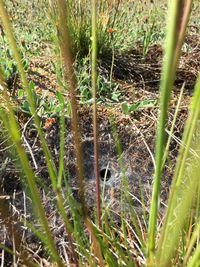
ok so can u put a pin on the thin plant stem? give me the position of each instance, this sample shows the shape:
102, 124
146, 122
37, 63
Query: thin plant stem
96, 246
192, 241
69, 75
68, 226
5, 215
194, 261
12, 126
172, 126
48, 156
113, 60
95, 122
178, 18
179, 175
17, 57
62, 143
196, 256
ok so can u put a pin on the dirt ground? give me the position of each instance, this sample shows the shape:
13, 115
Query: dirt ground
138, 78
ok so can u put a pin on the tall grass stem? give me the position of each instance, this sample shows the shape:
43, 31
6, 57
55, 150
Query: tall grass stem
178, 17
95, 122
70, 79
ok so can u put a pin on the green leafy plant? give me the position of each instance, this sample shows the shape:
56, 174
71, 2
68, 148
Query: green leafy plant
32, 26
128, 109
45, 106
107, 90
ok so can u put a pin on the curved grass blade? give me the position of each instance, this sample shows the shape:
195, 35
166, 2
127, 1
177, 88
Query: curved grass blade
185, 183
12, 43
48, 156
10, 123
178, 16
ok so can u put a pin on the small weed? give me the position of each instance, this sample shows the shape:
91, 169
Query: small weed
46, 106
128, 109
108, 90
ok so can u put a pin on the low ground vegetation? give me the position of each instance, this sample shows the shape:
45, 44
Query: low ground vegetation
50, 209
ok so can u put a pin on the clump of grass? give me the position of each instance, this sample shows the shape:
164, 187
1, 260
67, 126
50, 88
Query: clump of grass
79, 25
119, 25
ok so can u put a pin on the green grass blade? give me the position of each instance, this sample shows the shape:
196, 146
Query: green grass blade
181, 196
13, 129
13, 45
95, 122
62, 144
193, 240
195, 259
172, 126
176, 30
